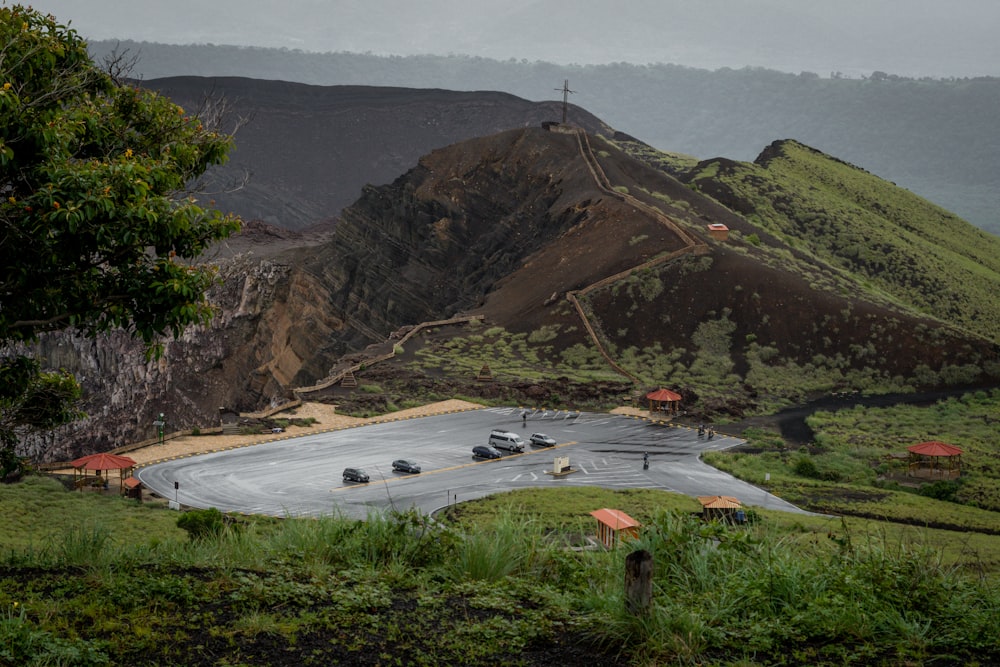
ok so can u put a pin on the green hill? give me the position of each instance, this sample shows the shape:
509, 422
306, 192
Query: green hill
885, 241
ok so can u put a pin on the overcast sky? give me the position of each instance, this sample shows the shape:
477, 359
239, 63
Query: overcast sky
939, 38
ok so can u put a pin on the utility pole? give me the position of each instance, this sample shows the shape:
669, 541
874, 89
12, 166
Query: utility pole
565, 91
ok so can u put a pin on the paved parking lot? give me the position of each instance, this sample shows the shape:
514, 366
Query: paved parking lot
303, 476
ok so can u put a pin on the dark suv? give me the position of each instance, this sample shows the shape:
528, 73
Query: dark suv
355, 475
405, 465
486, 452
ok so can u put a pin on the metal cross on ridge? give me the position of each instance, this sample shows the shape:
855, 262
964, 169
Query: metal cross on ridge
565, 91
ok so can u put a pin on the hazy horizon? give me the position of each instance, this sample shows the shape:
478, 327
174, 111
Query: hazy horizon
915, 38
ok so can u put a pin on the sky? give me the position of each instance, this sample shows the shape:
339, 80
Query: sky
936, 38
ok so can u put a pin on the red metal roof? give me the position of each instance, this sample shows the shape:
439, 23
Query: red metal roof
663, 395
935, 448
103, 461
615, 519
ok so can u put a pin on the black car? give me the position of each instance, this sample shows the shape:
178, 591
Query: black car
542, 440
405, 465
355, 475
486, 452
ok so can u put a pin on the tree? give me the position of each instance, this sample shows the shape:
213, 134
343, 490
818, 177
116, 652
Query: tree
97, 228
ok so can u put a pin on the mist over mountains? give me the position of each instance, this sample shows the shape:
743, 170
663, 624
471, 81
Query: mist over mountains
939, 138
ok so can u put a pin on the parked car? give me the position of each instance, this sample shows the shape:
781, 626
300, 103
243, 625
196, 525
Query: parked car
508, 440
355, 475
405, 465
486, 452
542, 440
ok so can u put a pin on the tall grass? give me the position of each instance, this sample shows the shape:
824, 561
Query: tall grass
755, 594
512, 545
731, 590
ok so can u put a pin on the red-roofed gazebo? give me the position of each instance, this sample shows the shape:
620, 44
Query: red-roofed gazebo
927, 459
103, 461
663, 399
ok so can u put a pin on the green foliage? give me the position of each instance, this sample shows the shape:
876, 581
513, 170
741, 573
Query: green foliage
22, 642
32, 400
544, 334
943, 489
806, 467
95, 235
849, 222
201, 524
90, 170
490, 581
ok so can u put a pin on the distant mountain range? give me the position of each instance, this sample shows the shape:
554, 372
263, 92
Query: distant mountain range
938, 138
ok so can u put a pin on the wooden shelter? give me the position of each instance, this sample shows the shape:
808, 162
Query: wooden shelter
722, 508
614, 526
133, 488
935, 459
663, 400
104, 462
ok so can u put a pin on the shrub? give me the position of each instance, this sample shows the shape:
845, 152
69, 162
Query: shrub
806, 467
943, 489
201, 524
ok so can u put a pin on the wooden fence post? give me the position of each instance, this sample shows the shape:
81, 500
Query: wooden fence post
639, 582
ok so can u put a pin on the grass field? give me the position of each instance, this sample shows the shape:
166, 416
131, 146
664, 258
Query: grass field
97, 580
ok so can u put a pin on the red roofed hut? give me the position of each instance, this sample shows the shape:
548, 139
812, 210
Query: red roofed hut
615, 525
663, 399
935, 459
101, 462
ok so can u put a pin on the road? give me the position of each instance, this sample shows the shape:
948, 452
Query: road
303, 476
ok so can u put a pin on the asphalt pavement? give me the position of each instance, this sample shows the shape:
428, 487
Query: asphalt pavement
303, 476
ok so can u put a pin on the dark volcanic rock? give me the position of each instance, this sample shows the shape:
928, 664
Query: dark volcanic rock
309, 150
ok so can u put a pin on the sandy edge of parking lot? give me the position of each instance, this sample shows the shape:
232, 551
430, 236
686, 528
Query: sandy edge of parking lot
325, 416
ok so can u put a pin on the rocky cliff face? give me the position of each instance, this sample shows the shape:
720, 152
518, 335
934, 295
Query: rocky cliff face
262, 342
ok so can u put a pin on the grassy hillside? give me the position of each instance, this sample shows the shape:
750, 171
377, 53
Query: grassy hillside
851, 466
888, 242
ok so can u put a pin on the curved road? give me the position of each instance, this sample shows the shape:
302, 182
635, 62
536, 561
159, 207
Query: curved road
302, 476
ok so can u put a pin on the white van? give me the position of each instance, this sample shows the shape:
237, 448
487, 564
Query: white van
512, 442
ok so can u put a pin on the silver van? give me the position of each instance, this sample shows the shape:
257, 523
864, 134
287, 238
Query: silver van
512, 442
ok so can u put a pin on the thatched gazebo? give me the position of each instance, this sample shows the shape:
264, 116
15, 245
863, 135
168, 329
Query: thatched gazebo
722, 508
935, 459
